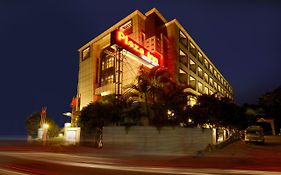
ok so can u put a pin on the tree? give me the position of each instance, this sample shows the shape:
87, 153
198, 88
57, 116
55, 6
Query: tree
160, 94
32, 124
218, 112
271, 103
97, 115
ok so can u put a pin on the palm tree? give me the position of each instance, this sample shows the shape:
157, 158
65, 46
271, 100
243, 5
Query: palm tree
156, 88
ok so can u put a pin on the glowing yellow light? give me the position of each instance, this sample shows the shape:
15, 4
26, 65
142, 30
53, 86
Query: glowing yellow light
67, 125
45, 126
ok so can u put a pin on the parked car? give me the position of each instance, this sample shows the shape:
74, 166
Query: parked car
254, 134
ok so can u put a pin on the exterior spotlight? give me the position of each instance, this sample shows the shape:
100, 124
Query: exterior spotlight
45, 125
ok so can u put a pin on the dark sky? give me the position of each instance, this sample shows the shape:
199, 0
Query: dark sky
39, 42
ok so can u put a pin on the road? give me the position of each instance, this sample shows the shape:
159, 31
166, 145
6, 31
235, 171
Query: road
237, 158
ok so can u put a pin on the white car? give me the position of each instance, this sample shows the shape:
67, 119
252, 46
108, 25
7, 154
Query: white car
254, 134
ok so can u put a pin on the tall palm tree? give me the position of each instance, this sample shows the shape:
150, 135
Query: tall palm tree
158, 89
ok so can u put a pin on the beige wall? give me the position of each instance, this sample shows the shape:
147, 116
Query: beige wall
150, 140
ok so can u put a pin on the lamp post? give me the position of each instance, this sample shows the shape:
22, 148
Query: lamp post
45, 133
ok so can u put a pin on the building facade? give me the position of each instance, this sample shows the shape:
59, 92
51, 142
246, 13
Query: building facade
110, 62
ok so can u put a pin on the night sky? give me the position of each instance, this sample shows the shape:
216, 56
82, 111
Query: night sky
39, 42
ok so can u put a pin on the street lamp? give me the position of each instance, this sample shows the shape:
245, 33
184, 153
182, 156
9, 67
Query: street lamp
67, 114
45, 127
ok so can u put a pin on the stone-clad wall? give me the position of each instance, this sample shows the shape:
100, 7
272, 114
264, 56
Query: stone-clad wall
150, 140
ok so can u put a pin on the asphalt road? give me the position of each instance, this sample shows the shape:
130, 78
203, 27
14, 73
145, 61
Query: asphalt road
237, 158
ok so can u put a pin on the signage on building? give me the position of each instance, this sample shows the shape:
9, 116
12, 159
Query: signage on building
118, 37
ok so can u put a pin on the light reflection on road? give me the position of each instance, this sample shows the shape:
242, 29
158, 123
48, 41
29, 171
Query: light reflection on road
113, 164
10, 172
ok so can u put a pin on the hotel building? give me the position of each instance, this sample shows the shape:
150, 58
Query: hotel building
110, 62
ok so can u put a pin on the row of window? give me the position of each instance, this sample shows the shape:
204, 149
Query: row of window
107, 79
206, 64
197, 54
107, 63
204, 89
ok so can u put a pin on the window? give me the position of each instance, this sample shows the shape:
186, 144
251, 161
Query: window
211, 68
211, 82
206, 90
215, 73
200, 57
127, 28
200, 72
108, 63
206, 64
211, 92
182, 76
107, 79
183, 39
200, 87
85, 53
142, 38
216, 85
192, 65
206, 77
192, 82
219, 88
192, 49
183, 58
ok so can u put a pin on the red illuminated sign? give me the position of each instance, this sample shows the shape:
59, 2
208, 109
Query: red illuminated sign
129, 44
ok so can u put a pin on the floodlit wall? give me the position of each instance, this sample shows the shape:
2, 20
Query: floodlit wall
150, 140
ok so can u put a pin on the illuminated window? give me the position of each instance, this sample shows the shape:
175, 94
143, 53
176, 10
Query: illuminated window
142, 38
183, 58
206, 90
192, 65
206, 77
216, 85
200, 72
127, 28
206, 64
108, 79
192, 82
200, 57
192, 45
103, 65
211, 68
211, 82
192, 49
108, 63
85, 53
211, 92
200, 87
219, 88
215, 73
182, 71
183, 38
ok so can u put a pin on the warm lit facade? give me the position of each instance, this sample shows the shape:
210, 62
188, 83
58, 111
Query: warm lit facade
110, 62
